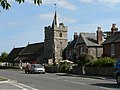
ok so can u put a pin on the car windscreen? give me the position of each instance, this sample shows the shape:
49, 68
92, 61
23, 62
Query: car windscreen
38, 66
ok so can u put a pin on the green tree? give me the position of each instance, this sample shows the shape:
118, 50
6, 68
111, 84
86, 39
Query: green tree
3, 56
83, 60
6, 5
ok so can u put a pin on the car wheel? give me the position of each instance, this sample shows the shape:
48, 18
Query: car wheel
43, 73
25, 71
118, 79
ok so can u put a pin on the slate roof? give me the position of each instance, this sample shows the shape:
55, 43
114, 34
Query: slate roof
71, 44
114, 38
14, 53
88, 38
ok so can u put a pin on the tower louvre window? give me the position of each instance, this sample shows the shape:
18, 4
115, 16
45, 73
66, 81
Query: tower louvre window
60, 34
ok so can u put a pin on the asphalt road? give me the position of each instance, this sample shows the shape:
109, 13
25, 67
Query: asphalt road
58, 81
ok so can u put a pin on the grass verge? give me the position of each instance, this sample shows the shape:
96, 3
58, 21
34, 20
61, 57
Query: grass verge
3, 79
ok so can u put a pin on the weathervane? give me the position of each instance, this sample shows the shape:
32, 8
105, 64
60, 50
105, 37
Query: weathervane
55, 6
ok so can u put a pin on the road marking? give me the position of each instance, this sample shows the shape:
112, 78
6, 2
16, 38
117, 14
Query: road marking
23, 86
20, 87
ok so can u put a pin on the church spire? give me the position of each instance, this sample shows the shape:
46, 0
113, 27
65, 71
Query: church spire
55, 20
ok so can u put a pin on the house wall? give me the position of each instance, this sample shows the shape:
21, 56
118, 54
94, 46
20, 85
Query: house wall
95, 51
117, 50
107, 50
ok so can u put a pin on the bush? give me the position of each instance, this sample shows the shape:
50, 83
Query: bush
65, 67
103, 62
84, 59
8, 67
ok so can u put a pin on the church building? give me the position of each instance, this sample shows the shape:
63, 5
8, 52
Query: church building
51, 50
55, 41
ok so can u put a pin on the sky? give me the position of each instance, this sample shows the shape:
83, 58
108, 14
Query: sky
24, 23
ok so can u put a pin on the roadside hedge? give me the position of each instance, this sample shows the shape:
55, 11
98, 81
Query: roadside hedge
8, 67
102, 62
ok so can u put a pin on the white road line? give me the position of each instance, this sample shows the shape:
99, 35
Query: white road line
20, 87
24, 87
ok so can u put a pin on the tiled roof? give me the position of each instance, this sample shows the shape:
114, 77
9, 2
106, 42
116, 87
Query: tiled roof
113, 38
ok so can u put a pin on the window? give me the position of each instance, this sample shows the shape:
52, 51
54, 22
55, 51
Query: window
81, 50
112, 49
60, 34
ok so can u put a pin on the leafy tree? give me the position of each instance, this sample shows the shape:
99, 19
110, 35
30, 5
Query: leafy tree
3, 56
6, 5
83, 60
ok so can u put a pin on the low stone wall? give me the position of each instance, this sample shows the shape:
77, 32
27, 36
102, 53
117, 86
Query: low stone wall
52, 69
102, 71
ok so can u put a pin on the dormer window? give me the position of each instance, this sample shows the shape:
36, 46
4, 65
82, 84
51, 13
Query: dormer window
60, 34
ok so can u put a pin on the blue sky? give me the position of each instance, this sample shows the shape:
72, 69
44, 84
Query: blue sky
25, 22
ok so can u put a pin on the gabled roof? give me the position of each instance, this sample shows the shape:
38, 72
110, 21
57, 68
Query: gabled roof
34, 48
71, 44
14, 53
87, 38
114, 38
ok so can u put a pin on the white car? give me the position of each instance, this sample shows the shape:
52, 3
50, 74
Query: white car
37, 68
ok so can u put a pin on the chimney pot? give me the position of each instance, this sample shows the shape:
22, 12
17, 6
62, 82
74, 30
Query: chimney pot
75, 35
114, 29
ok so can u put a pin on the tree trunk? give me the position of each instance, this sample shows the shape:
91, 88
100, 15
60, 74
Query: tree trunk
83, 70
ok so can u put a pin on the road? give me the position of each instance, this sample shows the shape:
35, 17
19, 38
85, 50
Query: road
58, 81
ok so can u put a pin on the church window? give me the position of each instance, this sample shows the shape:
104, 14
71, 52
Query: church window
60, 34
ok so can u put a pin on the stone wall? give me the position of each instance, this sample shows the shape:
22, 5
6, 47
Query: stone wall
102, 71
52, 69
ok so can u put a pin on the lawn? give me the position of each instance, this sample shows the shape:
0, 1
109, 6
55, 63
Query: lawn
3, 79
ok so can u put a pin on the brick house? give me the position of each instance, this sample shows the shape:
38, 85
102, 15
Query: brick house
88, 43
111, 46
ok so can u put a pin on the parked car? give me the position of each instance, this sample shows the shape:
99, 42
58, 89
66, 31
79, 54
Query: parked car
117, 71
35, 68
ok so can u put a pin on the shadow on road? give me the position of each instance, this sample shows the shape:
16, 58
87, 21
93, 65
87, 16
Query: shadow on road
85, 76
107, 85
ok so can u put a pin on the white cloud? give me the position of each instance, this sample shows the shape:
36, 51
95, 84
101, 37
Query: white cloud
101, 1
67, 5
48, 16
62, 3
12, 23
68, 20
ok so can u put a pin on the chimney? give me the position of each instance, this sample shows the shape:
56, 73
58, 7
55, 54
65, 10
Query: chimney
99, 35
75, 35
114, 29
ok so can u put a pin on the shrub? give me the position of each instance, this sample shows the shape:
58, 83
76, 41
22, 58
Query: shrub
103, 62
84, 59
65, 67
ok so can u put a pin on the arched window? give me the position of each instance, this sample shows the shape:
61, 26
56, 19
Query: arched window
60, 34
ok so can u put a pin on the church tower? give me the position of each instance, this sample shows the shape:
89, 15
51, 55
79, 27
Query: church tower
55, 41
